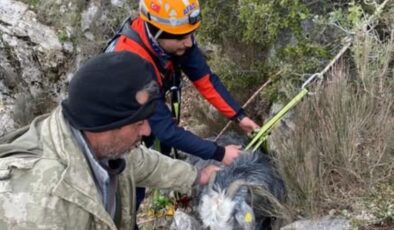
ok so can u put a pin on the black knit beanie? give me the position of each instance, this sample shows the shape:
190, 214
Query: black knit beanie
102, 93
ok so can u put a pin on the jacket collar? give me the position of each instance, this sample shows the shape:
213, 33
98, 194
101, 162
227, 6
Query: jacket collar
138, 25
76, 184
152, 44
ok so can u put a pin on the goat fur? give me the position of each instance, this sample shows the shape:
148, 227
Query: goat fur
247, 209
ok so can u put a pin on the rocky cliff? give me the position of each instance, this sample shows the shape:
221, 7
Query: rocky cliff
41, 45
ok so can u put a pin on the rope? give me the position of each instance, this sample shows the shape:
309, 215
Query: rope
263, 133
348, 42
243, 106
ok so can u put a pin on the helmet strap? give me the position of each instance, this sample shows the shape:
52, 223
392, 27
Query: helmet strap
158, 33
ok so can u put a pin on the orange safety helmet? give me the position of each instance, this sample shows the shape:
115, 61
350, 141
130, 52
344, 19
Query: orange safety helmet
172, 16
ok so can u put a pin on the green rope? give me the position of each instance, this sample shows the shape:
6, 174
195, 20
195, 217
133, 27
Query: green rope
261, 136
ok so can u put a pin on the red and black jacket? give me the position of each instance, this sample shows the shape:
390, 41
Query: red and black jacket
197, 70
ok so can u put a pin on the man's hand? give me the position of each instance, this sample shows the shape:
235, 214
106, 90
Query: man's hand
206, 173
248, 125
231, 152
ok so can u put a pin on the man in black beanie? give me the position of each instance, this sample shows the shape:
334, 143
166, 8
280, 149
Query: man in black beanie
70, 169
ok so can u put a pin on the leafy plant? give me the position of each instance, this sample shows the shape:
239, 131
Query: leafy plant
160, 201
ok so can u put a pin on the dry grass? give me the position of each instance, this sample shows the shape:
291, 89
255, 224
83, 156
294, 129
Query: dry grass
339, 156
341, 150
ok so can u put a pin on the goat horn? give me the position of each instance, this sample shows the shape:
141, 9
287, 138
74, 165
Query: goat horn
234, 187
211, 180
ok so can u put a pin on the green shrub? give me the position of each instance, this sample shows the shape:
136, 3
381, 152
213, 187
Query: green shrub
261, 37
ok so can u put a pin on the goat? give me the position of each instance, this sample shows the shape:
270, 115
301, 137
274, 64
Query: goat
242, 195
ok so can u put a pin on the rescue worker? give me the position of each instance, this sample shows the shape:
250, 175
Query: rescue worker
163, 34
73, 169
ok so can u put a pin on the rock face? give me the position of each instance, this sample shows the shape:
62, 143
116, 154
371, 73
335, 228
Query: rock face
28, 50
41, 45
327, 223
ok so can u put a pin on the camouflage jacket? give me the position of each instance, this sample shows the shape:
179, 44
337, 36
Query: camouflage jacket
46, 182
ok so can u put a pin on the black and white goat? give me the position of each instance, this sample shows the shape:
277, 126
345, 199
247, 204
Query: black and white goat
243, 195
